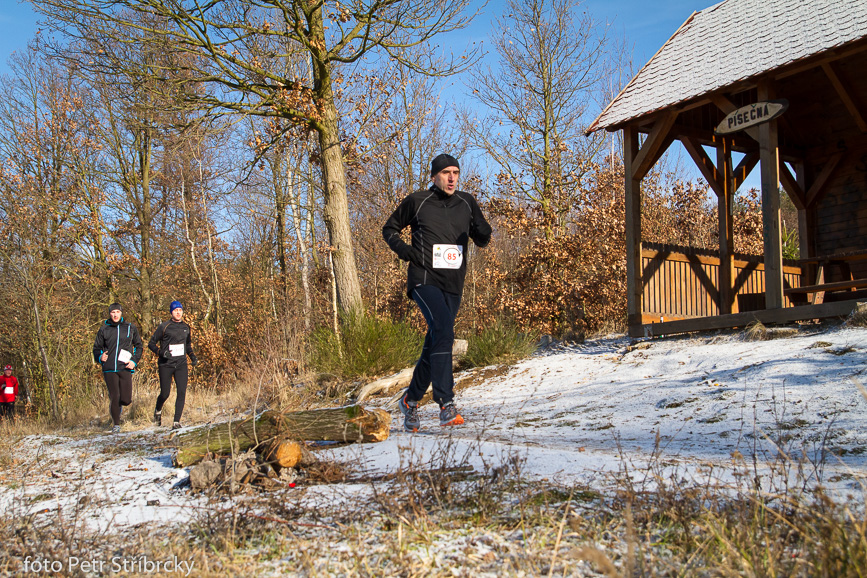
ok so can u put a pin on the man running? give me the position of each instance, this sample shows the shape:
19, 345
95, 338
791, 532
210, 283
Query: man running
442, 220
118, 348
172, 343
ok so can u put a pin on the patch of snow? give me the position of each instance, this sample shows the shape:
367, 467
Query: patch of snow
697, 407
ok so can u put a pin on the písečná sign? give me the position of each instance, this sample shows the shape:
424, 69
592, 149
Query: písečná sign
751, 115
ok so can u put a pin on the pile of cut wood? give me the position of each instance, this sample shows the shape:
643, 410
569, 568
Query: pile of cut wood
268, 450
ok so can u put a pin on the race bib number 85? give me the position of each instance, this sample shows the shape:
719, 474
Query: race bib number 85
448, 256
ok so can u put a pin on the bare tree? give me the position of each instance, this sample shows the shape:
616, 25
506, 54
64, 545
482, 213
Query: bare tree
413, 130
130, 130
47, 221
551, 60
228, 45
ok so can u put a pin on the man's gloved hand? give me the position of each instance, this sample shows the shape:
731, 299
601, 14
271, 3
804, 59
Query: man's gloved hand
411, 254
404, 251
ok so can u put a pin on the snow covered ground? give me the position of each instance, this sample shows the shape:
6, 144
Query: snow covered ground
699, 406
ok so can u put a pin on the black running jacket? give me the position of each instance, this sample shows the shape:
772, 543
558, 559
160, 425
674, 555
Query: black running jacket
172, 342
441, 226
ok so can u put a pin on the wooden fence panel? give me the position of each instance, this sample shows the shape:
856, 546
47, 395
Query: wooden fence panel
683, 282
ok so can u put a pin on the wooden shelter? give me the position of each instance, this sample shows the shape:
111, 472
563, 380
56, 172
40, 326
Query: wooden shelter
739, 55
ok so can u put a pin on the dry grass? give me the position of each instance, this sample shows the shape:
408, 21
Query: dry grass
757, 331
266, 385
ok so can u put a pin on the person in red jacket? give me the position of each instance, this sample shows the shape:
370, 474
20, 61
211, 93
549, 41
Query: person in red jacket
8, 393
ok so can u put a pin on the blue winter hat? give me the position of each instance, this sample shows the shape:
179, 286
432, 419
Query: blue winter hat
175, 305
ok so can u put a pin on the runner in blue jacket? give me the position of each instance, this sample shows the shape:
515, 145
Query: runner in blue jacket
118, 348
442, 220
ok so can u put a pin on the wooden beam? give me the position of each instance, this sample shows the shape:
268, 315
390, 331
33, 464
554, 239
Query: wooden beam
770, 159
727, 302
806, 227
817, 189
744, 168
655, 255
632, 187
740, 142
844, 91
652, 148
704, 164
822, 287
790, 183
785, 315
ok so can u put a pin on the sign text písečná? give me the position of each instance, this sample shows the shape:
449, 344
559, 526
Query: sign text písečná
752, 115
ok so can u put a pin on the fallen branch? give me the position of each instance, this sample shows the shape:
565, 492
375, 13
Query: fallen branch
402, 378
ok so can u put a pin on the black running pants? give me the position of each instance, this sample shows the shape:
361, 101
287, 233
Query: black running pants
119, 385
434, 367
181, 374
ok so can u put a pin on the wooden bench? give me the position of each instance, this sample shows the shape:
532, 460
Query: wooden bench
820, 287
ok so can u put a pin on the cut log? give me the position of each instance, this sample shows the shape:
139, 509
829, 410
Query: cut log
344, 424
284, 453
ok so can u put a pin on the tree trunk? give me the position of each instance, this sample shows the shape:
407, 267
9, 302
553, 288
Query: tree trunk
280, 224
187, 219
294, 204
345, 424
336, 214
401, 379
52, 387
285, 453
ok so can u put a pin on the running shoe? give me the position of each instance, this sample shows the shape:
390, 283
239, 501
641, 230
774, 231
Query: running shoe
409, 409
449, 415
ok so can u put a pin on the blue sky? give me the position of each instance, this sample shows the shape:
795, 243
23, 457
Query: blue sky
645, 24
18, 23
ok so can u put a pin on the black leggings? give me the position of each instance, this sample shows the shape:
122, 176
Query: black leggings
119, 385
181, 374
7, 409
435, 364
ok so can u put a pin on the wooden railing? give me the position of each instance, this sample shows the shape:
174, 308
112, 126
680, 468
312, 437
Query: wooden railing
683, 282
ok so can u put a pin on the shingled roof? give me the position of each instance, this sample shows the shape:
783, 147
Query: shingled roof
730, 42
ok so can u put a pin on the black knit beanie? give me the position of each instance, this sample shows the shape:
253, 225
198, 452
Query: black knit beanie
441, 162
115, 307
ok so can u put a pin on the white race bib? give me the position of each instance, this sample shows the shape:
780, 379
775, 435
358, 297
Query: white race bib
9, 390
124, 356
448, 256
176, 349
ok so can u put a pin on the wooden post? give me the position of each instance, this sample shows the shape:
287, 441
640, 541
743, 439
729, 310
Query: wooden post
725, 196
770, 159
806, 228
632, 187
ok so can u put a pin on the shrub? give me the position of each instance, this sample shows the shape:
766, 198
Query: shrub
367, 346
500, 342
